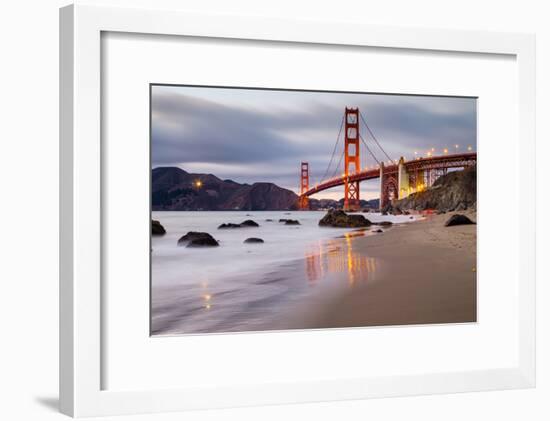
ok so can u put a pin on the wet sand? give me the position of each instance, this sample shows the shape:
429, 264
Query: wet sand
426, 273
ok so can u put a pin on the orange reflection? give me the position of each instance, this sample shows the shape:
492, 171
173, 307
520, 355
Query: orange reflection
206, 297
337, 256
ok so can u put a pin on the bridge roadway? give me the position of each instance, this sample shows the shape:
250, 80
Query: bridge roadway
459, 160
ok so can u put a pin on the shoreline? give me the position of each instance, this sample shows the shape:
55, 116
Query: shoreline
356, 279
441, 289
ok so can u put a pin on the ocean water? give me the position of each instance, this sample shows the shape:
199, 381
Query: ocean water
238, 286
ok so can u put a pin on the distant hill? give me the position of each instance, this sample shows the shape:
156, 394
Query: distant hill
453, 191
176, 189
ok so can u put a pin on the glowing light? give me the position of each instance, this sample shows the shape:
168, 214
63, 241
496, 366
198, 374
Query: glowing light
469, 148
456, 146
198, 184
429, 153
433, 149
445, 150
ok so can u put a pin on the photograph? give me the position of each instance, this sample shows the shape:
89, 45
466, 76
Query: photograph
279, 209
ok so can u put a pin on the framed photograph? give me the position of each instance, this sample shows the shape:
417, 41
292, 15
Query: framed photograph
259, 211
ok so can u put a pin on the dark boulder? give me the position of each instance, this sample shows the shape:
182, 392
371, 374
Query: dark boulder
377, 230
249, 223
197, 239
228, 225
269, 220
253, 240
340, 219
458, 219
244, 224
292, 222
384, 223
157, 228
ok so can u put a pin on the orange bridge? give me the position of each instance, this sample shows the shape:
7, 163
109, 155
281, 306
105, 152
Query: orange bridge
398, 178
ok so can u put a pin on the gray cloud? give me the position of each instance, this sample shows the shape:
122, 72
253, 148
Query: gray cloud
250, 135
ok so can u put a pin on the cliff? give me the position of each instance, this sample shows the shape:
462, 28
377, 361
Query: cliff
453, 191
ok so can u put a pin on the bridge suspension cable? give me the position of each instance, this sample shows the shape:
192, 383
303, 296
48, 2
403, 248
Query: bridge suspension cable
338, 165
374, 138
334, 151
368, 149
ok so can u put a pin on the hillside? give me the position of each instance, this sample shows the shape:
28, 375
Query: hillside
453, 191
176, 189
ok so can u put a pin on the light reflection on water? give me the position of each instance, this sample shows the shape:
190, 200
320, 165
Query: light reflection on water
243, 287
336, 256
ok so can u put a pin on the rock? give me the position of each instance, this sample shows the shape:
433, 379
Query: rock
283, 220
440, 212
411, 217
228, 225
253, 240
244, 224
269, 220
454, 191
157, 228
384, 223
197, 239
340, 219
458, 219
292, 222
377, 230
249, 223
203, 242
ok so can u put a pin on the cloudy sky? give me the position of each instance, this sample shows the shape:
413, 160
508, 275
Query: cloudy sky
263, 135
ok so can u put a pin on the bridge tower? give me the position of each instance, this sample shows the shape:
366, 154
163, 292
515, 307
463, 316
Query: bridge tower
352, 163
304, 186
403, 180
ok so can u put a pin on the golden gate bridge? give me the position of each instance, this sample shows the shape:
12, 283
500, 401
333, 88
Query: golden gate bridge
398, 178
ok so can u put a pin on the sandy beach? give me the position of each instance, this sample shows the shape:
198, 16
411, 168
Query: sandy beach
416, 271
425, 273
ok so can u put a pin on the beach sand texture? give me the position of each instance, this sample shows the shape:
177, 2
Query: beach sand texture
426, 273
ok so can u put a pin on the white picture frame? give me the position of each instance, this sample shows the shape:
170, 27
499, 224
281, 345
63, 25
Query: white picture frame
81, 180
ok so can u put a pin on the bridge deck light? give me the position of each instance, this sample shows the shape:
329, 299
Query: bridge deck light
445, 150
469, 148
